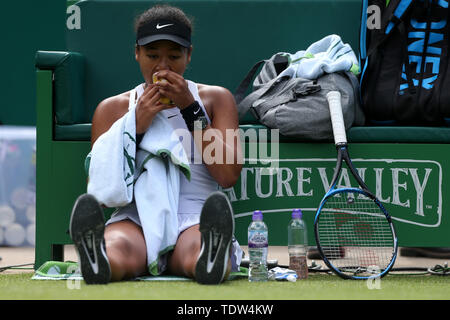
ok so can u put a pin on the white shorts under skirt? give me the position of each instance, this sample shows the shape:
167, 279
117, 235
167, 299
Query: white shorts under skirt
185, 221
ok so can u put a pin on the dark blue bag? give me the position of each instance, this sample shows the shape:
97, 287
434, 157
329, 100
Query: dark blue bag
404, 55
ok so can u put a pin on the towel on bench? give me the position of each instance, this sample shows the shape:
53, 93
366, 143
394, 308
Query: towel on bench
327, 55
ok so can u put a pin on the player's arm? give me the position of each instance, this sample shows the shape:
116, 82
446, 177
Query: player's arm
107, 112
113, 108
224, 165
220, 143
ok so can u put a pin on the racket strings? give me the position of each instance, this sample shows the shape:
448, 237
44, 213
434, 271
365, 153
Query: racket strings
354, 234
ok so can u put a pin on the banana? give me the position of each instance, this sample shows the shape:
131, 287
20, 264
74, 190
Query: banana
164, 100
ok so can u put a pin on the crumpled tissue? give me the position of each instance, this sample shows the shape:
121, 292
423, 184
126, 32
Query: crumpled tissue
282, 274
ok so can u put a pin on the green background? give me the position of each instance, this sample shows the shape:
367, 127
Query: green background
27, 26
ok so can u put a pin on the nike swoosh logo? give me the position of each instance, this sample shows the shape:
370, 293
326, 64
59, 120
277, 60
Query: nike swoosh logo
174, 115
94, 264
210, 262
198, 110
163, 25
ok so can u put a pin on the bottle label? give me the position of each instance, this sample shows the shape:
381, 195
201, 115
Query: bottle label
299, 265
257, 239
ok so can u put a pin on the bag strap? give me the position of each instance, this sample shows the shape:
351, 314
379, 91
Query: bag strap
245, 83
280, 63
248, 101
392, 16
408, 66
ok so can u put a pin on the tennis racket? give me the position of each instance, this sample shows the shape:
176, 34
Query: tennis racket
354, 232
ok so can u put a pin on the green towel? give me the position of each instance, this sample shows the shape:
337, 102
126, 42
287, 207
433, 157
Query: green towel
69, 270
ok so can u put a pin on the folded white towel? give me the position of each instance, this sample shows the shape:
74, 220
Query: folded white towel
160, 158
116, 171
112, 163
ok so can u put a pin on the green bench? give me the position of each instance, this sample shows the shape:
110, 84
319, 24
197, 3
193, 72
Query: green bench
405, 166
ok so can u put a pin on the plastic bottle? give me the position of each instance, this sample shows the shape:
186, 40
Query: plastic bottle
297, 245
258, 242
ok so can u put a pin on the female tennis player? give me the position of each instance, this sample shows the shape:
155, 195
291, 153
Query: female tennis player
206, 249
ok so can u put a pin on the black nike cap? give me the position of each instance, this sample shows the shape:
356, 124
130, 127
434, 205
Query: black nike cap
164, 30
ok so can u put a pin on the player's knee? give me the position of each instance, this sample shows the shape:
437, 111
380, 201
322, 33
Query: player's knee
190, 256
116, 248
121, 255
185, 256
118, 245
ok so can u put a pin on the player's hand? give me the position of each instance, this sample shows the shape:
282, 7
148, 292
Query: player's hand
148, 106
175, 88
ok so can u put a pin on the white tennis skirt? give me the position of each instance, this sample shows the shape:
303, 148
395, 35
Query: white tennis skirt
185, 221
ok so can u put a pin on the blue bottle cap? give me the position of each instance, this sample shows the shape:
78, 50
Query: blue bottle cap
297, 214
257, 215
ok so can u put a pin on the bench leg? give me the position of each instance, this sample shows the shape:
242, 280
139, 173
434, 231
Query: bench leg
47, 252
57, 252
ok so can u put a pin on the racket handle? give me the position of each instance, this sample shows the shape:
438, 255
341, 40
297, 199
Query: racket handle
337, 119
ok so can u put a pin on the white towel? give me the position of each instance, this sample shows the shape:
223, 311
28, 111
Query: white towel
153, 173
327, 55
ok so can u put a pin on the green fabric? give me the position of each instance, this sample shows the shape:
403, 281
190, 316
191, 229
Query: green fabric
87, 163
58, 270
153, 266
184, 167
163, 153
355, 69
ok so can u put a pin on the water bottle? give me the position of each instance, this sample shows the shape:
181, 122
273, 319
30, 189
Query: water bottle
258, 242
297, 245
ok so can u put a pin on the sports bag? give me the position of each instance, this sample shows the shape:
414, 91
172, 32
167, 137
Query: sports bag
282, 98
405, 77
